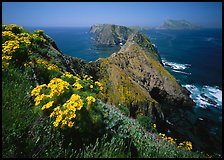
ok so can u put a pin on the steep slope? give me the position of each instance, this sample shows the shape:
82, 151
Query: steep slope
144, 68
135, 75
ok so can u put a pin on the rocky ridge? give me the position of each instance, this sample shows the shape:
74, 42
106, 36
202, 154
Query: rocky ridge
108, 34
135, 76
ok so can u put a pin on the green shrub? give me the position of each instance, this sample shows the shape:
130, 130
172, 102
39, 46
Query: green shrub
145, 121
123, 109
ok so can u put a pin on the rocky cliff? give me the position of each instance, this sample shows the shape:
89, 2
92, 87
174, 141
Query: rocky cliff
108, 34
135, 76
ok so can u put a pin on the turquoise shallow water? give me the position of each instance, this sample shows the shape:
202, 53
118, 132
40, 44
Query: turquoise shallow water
194, 57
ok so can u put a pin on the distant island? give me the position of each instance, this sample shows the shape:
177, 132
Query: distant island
178, 24
171, 25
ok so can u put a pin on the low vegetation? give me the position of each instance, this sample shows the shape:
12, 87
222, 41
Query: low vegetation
48, 112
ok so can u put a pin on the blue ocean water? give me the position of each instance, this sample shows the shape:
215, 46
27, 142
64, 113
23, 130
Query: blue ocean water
76, 42
193, 57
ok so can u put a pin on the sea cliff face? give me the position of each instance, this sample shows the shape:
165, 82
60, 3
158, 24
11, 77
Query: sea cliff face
135, 76
108, 34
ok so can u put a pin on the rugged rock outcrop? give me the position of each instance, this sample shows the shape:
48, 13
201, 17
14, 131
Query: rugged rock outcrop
135, 75
108, 34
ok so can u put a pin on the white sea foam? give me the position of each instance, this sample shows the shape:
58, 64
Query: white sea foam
175, 66
154, 45
182, 72
206, 96
215, 92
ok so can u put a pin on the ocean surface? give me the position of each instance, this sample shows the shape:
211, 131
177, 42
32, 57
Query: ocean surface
193, 57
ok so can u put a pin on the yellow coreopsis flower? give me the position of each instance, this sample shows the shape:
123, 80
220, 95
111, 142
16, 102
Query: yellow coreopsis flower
49, 104
36, 91
53, 67
70, 124
90, 99
56, 124
38, 99
77, 85
154, 125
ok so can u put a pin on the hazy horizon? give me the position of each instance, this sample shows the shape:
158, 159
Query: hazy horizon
85, 14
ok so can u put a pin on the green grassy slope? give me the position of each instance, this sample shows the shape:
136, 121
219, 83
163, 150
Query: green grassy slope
96, 130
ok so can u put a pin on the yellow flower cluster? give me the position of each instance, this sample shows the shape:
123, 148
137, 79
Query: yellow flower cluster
69, 75
39, 98
40, 31
77, 85
27, 64
36, 91
90, 100
13, 37
24, 38
88, 78
10, 27
74, 102
53, 67
64, 116
168, 139
57, 86
186, 145
48, 105
10, 47
42, 61
8, 34
99, 85
38, 36
49, 66
63, 110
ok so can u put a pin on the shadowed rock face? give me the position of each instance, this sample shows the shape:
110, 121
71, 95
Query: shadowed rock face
137, 66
